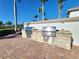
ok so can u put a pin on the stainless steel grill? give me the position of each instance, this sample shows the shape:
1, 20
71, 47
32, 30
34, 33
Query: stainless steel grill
48, 33
28, 31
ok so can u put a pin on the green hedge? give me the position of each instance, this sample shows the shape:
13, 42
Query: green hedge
6, 32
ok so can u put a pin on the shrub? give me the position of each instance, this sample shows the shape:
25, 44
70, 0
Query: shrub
6, 32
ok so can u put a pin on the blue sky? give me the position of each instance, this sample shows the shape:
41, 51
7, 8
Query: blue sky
26, 9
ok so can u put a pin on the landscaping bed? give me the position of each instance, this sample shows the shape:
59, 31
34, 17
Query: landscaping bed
4, 32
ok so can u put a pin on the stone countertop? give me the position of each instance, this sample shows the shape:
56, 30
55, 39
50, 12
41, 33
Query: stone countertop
63, 32
58, 32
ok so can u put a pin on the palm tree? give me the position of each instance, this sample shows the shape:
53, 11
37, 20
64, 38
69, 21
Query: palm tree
39, 10
43, 2
36, 16
60, 6
15, 14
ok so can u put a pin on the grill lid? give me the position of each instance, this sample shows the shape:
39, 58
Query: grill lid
53, 28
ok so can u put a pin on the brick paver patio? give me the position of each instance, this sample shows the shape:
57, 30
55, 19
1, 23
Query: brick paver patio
19, 48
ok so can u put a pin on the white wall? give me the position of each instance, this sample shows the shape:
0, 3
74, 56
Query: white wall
73, 14
72, 26
75, 32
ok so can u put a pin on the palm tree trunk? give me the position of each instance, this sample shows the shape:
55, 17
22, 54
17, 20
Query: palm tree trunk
59, 11
15, 15
42, 11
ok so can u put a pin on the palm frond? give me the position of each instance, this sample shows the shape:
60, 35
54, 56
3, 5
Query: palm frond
43, 1
60, 1
39, 9
36, 16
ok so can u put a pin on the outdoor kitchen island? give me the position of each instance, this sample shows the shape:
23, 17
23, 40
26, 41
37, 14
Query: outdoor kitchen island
62, 39
67, 29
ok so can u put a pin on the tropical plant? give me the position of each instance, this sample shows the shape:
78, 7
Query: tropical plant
36, 16
1, 23
43, 2
39, 10
34, 20
20, 26
60, 6
46, 19
8, 23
